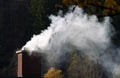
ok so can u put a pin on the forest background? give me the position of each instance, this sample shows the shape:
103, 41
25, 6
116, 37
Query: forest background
20, 19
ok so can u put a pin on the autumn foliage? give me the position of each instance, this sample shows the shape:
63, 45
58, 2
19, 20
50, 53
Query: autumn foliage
108, 7
53, 73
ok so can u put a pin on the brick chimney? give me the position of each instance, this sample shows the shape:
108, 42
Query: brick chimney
28, 65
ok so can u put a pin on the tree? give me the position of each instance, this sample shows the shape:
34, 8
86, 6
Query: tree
111, 4
38, 9
81, 67
53, 73
108, 7
101, 8
41, 9
15, 30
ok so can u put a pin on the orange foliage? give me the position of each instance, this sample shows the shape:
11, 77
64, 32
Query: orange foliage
53, 73
108, 6
112, 4
80, 2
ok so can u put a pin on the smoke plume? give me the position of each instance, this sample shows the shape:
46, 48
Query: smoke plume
77, 30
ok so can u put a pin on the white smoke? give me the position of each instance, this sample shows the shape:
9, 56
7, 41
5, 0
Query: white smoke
79, 30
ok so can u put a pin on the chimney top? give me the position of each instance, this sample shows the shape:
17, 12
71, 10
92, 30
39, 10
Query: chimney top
21, 51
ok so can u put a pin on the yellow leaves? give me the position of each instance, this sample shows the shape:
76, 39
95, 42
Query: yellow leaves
111, 5
79, 2
53, 73
68, 2
106, 6
118, 8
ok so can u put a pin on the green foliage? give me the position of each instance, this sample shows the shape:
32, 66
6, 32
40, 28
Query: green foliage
39, 11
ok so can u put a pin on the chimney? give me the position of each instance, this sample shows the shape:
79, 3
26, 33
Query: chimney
28, 65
